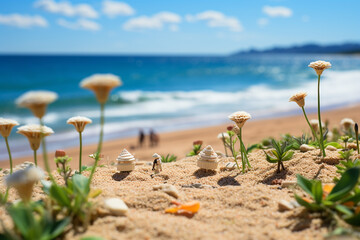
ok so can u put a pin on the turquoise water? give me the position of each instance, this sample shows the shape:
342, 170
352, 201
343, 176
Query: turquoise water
169, 93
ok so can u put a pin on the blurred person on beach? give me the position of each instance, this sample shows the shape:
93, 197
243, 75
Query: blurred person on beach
141, 138
154, 138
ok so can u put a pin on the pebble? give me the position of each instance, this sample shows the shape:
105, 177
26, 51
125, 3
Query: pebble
220, 154
286, 205
331, 148
305, 148
286, 184
168, 189
116, 206
230, 166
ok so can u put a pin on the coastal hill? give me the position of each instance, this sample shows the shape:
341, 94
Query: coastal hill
346, 48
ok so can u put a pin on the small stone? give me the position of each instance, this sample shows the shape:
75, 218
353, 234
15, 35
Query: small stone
294, 203
116, 206
305, 148
331, 148
220, 154
286, 184
168, 189
285, 206
230, 166
6, 171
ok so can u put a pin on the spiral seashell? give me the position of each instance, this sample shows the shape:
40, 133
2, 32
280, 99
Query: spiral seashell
126, 161
208, 159
208, 154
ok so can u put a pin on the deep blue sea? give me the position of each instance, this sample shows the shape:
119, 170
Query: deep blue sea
170, 92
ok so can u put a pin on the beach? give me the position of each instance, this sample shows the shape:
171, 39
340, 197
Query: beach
232, 205
179, 143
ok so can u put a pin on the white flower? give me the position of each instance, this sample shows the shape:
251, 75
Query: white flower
36, 101
347, 123
299, 98
23, 181
79, 122
315, 124
6, 126
223, 135
240, 118
33, 132
320, 66
101, 85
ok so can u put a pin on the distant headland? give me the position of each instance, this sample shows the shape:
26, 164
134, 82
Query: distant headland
345, 48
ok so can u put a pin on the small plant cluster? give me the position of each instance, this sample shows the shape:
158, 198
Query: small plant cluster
281, 152
168, 158
197, 145
338, 202
70, 202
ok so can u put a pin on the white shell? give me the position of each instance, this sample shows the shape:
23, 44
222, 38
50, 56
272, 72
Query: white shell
208, 159
126, 161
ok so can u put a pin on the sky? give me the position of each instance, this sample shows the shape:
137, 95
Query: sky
172, 26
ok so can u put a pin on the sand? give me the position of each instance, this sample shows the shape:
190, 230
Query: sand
233, 206
236, 206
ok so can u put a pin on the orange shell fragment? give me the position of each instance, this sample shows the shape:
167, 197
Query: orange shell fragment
190, 208
349, 204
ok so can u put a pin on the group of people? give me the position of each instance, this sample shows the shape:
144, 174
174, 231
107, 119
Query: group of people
153, 138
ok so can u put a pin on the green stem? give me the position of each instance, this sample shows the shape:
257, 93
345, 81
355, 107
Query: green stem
307, 120
321, 143
80, 152
97, 158
46, 161
102, 121
9, 152
233, 152
245, 155
242, 151
224, 146
35, 158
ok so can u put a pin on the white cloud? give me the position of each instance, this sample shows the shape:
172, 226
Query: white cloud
278, 11
157, 21
217, 19
67, 8
262, 22
113, 9
81, 24
23, 21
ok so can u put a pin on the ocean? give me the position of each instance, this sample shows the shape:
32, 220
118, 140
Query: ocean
168, 93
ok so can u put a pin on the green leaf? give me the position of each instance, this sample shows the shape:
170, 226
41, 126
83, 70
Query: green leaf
59, 194
80, 184
22, 217
305, 184
334, 144
347, 182
302, 202
59, 227
343, 209
288, 156
353, 220
317, 191
270, 159
276, 154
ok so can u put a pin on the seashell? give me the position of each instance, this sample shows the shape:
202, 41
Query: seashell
208, 159
126, 161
